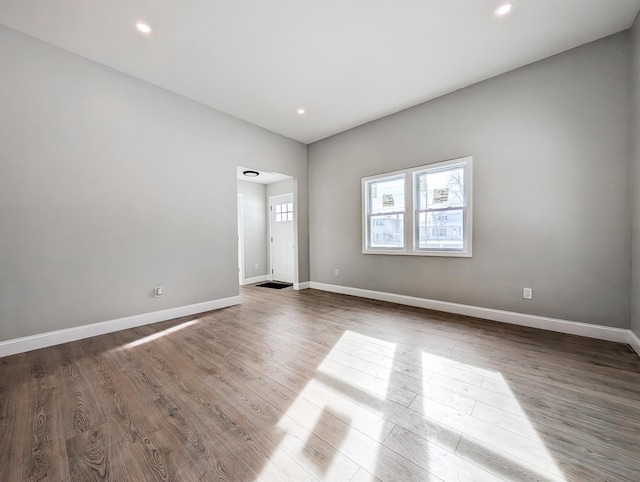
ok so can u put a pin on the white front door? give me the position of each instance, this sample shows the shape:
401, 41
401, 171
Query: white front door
282, 238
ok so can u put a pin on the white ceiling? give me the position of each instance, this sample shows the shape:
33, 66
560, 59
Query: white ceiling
345, 62
263, 177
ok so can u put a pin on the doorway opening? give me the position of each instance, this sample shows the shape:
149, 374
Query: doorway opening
267, 227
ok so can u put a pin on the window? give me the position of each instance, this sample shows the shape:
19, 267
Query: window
438, 196
440, 206
385, 216
284, 212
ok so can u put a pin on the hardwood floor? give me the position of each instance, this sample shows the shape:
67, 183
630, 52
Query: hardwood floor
312, 385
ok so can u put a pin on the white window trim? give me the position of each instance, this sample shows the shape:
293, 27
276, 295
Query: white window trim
410, 236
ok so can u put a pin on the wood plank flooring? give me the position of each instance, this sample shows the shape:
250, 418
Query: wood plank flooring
297, 386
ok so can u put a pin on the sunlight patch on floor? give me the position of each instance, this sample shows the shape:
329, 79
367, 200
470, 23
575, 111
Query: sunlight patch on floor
335, 366
509, 434
329, 432
160, 334
321, 433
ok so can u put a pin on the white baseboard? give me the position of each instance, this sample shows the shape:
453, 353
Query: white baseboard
43, 340
634, 341
619, 335
256, 279
28, 343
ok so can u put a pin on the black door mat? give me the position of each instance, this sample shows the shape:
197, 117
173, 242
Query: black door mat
275, 285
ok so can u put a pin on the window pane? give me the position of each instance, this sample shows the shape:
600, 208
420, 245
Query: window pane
441, 230
386, 195
386, 231
290, 216
278, 208
290, 207
441, 189
278, 217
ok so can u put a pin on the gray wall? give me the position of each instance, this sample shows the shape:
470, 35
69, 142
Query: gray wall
110, 186
550, 143
254, 211
635, 179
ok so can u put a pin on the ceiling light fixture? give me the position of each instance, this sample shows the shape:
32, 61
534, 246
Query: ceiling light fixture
143, 27
504, 9
300, 111
251, 173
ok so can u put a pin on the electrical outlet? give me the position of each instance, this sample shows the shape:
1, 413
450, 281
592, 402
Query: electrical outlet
527, 293
257, 266
157, 292
336, 272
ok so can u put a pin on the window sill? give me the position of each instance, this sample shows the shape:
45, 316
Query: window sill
446, 254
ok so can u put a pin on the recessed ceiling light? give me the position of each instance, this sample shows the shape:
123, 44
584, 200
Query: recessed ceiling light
251, 173
504, 9
300, 111
143, 27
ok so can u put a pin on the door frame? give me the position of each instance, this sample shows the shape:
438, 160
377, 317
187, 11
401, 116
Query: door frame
270, 203
241, 276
